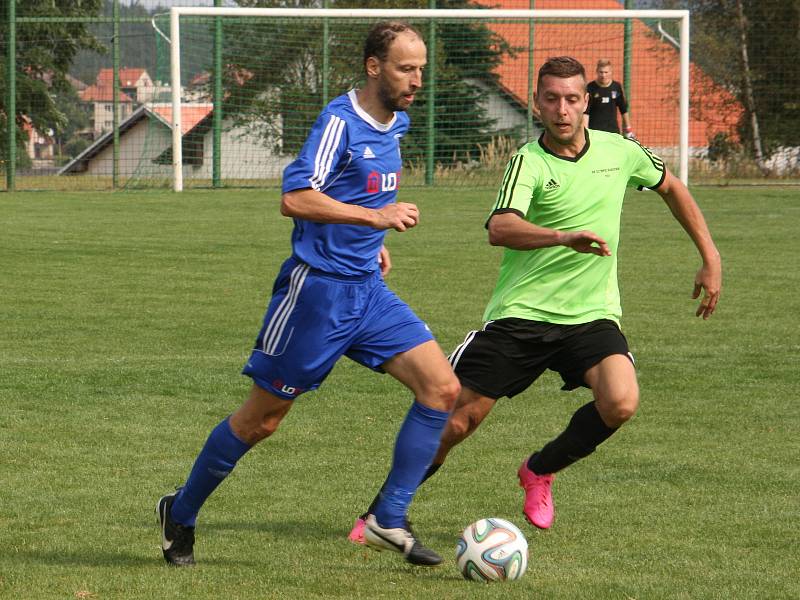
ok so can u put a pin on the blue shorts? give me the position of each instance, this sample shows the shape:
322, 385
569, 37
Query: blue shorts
314, 318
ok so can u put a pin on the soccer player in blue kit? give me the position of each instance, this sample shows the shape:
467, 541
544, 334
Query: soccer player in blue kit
329, 300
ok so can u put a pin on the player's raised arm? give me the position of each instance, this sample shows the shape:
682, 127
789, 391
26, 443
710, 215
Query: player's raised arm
685, 209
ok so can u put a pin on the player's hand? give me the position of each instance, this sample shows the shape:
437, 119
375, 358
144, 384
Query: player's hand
399, 216
709, 281
385, 261
585, 242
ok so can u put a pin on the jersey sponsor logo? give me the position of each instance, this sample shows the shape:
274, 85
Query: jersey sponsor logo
368, 153
382, 182
373, 183
606, 100
551, 185
605, 171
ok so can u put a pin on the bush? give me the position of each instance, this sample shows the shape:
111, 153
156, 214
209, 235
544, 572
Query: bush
75, 146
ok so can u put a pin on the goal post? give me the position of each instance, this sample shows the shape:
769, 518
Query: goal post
498, 85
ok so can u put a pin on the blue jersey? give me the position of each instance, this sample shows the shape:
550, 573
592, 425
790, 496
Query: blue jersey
352, 158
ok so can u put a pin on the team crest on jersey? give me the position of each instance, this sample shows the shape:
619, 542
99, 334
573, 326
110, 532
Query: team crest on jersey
382, 182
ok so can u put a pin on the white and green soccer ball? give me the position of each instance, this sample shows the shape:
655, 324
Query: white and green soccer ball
492, 550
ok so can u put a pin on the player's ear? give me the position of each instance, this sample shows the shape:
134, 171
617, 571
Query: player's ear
372, 66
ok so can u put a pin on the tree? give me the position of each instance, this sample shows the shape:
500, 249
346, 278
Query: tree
44, 53
273, 78
767, 84
136, 45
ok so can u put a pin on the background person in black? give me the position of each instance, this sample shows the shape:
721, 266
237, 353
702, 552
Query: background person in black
605, 98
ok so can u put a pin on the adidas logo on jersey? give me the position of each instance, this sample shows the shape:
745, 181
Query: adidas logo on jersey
551, 185
368, 153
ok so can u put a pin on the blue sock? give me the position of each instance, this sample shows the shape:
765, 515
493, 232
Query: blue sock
214, 463
416, 445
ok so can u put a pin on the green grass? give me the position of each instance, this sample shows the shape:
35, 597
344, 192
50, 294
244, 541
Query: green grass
126, 319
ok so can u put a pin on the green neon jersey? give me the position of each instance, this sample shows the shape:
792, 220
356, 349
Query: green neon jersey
557, 284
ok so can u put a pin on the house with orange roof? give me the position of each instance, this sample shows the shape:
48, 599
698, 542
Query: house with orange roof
133, 81
101, 99
136, 87
39, 146
145, 151
653, 100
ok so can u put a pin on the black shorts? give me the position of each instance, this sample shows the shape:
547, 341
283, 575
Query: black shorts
508, 355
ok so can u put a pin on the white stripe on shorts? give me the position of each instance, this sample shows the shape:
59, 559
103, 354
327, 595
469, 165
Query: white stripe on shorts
455, 355
274, 331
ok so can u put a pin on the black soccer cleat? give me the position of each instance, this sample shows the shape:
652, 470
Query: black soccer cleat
399, 539
177, 541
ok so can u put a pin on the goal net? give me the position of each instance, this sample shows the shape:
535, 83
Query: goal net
247, 84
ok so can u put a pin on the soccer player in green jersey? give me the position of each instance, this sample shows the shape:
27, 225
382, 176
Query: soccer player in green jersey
556, 303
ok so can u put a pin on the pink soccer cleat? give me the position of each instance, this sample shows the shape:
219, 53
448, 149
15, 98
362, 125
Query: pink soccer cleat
538, 508
357, 532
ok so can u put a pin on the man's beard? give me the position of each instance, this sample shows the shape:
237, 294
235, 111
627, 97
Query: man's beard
389, 102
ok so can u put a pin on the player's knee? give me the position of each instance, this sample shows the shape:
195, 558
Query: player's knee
621, 408
459, 426
441, 395
449, 391
253, 430
264, 429
463, 421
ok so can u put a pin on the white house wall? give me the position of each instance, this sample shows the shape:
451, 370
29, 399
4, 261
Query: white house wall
498, 108
104, 115
243, 157
132, 145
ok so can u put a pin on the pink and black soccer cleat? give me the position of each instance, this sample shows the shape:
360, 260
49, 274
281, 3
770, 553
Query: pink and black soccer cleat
538, 508
357, 532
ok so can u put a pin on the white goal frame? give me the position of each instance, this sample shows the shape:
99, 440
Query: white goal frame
523, 15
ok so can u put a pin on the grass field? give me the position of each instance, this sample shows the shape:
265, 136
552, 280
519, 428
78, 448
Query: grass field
126, 319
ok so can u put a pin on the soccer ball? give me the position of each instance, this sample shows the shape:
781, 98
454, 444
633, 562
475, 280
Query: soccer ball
492, 550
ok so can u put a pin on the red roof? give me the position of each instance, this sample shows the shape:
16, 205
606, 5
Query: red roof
655, 71
191, 114
127, 76
102, 93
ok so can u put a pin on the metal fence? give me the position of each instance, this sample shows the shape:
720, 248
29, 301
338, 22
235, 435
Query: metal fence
89, 90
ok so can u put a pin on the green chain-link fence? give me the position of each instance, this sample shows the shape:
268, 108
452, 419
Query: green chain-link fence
91, 89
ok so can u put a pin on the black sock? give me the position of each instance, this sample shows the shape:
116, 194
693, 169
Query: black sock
586, 431
428, 474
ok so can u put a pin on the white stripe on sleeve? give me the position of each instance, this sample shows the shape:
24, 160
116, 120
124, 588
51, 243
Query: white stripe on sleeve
326, 150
